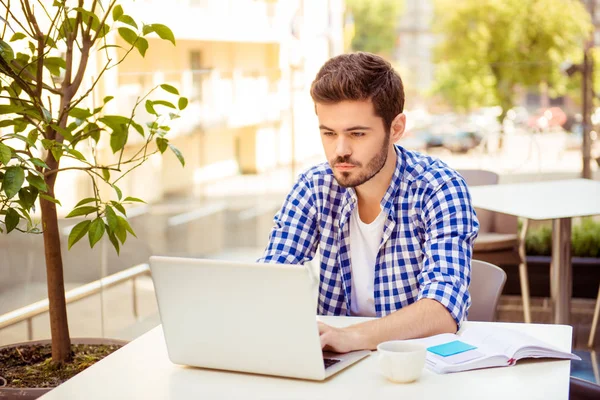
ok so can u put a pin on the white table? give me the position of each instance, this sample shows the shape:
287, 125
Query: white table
142, 370
556, 200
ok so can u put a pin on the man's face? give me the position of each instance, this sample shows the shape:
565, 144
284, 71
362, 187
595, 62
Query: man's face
354, 139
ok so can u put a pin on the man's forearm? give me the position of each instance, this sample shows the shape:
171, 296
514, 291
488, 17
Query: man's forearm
423, 318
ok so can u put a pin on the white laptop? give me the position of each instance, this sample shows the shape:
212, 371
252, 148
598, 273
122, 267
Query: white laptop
248, 317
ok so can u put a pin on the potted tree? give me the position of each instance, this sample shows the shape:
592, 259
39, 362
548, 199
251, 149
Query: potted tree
47, 119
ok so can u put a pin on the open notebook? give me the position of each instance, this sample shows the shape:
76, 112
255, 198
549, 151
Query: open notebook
481, 346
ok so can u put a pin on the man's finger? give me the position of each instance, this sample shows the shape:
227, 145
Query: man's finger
322, 327
324, 339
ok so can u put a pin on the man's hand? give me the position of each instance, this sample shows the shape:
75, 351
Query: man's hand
340, 340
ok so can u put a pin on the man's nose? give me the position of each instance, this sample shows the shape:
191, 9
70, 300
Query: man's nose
342, 148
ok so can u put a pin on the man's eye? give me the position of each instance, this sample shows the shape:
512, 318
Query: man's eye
358, 134
327, 133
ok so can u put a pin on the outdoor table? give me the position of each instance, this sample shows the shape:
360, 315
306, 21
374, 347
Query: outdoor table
142, 370
558, 201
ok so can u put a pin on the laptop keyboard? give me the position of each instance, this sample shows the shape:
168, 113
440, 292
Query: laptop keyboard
330, 361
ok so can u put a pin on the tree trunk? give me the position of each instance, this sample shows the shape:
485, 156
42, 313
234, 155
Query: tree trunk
59, 327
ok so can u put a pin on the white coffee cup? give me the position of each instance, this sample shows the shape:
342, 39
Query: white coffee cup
401, 361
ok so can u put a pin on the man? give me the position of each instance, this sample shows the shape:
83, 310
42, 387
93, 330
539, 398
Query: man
394, 228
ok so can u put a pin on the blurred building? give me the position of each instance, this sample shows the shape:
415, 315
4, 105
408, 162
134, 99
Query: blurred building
246, 67
414, 49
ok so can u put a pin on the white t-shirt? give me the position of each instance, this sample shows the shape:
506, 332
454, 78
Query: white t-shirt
364, 246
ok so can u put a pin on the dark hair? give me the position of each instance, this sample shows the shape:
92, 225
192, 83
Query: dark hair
360, 76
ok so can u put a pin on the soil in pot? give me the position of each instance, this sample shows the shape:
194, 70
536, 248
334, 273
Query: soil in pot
31, 366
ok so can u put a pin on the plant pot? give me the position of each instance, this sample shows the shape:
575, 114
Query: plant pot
34, 393
585, 272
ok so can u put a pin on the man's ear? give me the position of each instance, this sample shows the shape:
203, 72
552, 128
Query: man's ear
397, 128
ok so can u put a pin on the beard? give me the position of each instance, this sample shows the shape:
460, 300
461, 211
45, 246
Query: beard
346, 178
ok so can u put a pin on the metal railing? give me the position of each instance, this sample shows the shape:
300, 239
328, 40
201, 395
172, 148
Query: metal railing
30, 311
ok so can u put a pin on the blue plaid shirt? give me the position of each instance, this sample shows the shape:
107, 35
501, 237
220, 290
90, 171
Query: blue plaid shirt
427, 239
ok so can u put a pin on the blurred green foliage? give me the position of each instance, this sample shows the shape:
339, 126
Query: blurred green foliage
585, 240
375, 23
490, 48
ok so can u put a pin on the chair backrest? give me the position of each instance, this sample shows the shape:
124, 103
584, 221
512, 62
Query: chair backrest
487, 282
489, 221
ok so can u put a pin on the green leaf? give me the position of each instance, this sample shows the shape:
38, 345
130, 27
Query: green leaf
45, 114
57, 152
138, 128
78, 232
107, 99
117, 12
93, 130
11, 220
96, 231
111, 218
162, 144
114, 241
118, 139
6, 122
89, 18
5, 154
110, 46
183, 103
163, 32
128, 198
50, 199
67, 134
54, 65
28, 195
178, 154
85, 201
80, 113
123, 223
32, 137
104, 30
150, 107
82, 211
66, 28
17, 36
76, 154
50, 41
13, 181
146, 29
164, 103
170, 89
119, 193
119, 207
126, 19
128, 35
39, 163
114, 121
10, 109
20, 124
37, 182
106, 174
142, 45
121, 233
6, 52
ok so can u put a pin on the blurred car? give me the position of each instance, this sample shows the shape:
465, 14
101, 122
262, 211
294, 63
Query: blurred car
547, 118
462, 139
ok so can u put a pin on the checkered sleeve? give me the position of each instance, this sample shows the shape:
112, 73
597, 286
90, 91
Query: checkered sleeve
450, 227
294, 236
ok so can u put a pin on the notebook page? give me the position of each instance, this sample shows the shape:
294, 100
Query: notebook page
503, 340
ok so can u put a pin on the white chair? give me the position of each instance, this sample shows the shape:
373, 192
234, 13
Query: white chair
487, 282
